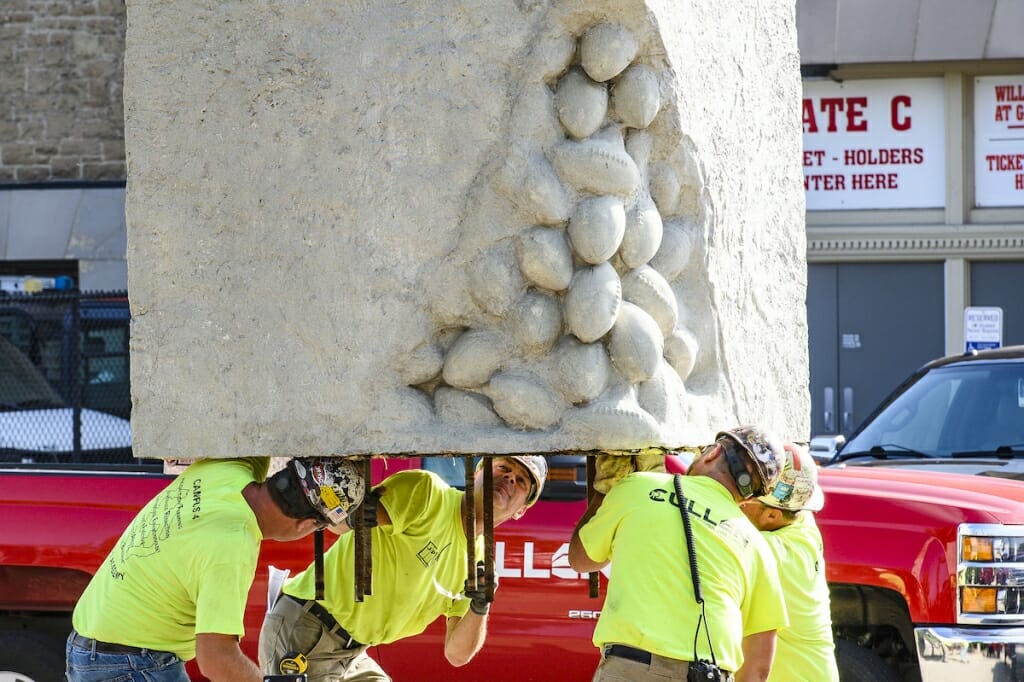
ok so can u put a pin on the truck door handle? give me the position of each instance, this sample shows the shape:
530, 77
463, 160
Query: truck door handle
847, 409
830, 409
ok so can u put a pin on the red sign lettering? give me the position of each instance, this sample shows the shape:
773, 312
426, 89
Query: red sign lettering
874, 181
827, 183
1005, 162
894, 110
854, 108
813, 158
854, 114
1010, 93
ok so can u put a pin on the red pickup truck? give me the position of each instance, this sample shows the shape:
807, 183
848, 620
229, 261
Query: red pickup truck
895, 544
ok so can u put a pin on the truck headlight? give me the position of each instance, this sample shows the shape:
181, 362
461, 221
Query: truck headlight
975, 548
990, 573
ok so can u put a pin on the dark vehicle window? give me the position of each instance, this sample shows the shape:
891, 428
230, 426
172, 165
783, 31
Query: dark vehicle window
975, 407
23, 386
64, 380
85, 354
103, 359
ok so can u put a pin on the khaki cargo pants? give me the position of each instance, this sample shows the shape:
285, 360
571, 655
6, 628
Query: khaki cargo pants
288, 628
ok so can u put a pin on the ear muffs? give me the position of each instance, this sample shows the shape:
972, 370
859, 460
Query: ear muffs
744, 481
285, 490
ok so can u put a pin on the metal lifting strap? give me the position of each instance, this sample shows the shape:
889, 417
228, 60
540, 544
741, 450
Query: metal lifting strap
318, 563
363, 558
469, 520
488, 529
593, 577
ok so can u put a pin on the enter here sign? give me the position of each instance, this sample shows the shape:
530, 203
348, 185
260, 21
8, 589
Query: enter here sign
874, 144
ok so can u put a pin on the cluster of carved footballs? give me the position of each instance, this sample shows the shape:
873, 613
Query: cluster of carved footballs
599, 261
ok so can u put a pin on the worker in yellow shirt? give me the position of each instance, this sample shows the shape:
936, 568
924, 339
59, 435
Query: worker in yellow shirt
174, 586
653, 625
804, 650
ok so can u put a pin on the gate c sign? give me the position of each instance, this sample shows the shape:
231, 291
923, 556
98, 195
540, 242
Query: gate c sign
983, 328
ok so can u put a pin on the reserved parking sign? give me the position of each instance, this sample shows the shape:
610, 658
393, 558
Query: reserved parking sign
983, 328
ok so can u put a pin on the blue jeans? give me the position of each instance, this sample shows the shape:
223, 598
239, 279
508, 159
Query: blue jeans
85, 665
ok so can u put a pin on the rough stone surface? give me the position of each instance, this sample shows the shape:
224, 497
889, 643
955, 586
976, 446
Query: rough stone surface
325, 197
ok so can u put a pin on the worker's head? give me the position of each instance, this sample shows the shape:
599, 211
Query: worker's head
325, 489
537, 467
753, 457
796, 490
518, 482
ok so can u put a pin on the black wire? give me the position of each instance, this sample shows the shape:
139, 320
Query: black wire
694, 573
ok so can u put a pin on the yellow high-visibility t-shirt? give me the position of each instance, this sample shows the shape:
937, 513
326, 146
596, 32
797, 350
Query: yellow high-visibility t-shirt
804, 650
419, 563
650, 603
183, 566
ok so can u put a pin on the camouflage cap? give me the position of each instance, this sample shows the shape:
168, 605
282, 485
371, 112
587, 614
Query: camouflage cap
798, 486
762, 448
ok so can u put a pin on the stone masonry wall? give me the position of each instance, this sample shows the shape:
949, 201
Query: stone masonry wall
61, 114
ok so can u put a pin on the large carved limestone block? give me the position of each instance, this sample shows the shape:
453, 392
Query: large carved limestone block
468, 227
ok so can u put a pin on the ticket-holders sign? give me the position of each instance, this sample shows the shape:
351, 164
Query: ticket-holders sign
983, 328
999, 141
876, 143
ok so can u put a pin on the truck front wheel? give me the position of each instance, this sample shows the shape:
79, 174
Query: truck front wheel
857, 664
30, 657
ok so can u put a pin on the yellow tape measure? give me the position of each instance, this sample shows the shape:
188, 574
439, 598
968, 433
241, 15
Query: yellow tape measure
293, 663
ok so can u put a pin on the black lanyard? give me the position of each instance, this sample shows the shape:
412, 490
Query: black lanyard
694, 573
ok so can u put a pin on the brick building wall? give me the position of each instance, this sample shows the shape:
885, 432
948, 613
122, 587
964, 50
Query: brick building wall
61, 80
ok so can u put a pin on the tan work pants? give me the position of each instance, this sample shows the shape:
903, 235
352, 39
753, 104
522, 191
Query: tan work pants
287, 628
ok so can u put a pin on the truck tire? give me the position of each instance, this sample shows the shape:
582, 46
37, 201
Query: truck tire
30, 657
857, 664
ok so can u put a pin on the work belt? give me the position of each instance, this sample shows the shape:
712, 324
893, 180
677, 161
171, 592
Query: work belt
106, 647
640, 656
313, 607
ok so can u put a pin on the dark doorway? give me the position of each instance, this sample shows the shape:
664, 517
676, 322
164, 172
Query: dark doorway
870, 325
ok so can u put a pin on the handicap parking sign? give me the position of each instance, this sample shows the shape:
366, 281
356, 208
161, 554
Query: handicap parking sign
983, 328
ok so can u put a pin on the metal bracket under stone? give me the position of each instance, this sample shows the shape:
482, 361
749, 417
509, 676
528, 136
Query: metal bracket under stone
469, 520
363, 543
594, 576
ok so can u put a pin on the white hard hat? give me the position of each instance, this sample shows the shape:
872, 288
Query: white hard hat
536, 466
333, 486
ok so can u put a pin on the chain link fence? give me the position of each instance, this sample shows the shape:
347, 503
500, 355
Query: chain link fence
64, 380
